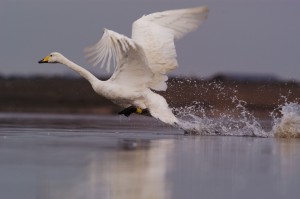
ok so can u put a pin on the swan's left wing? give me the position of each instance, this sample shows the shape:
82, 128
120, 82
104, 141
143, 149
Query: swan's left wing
156, 33
128, 57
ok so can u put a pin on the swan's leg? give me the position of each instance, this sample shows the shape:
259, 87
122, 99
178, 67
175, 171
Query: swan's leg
132, 109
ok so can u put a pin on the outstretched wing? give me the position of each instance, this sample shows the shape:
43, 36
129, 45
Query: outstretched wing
156, 34
128, 57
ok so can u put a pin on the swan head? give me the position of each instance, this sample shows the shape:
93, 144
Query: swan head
54, 57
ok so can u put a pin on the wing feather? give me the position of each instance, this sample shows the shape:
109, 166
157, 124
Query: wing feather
109, 49
128, 58
157, 32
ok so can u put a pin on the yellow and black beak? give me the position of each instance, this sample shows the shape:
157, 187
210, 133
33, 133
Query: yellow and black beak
45, 60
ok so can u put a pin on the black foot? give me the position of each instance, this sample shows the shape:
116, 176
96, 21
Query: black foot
128, 111
145, 112
132, 109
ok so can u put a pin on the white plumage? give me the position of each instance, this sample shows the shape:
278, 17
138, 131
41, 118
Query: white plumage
141, 63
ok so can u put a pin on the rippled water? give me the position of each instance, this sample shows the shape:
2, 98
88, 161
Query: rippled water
88, 156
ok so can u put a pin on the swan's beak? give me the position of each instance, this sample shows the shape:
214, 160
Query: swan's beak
45, 60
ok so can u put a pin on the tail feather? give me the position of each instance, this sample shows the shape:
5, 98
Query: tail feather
159, 109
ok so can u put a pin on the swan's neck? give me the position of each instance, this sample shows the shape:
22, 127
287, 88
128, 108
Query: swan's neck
81, 71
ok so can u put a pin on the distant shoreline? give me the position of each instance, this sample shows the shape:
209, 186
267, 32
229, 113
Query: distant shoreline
75, 95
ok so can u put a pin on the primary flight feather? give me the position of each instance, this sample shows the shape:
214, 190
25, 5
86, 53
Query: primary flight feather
141, 63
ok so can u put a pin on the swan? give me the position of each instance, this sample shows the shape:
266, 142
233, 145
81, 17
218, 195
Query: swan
141, 62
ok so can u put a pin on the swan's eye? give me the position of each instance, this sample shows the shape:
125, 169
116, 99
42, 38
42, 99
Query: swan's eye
50, 55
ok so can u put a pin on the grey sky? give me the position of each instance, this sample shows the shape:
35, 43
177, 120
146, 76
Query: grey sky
240, 36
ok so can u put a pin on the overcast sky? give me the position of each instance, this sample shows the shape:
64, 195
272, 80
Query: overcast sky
239, 36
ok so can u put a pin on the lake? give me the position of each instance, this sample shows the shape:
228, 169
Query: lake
89, 156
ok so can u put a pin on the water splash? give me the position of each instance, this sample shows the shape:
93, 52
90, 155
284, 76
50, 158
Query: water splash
237, 120
225, 124
288, 125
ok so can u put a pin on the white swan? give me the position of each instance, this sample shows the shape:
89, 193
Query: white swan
141, 63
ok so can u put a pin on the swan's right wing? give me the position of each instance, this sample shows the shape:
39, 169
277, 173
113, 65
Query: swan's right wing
128, 57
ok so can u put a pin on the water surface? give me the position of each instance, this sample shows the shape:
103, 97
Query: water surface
88, 156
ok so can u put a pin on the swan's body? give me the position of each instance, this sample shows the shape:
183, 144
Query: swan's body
141, 62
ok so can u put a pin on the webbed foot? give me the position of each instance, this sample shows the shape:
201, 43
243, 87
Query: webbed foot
132, 109
128, 111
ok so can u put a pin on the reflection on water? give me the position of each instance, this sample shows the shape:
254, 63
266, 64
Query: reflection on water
139, 174
142, 161
70, 168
